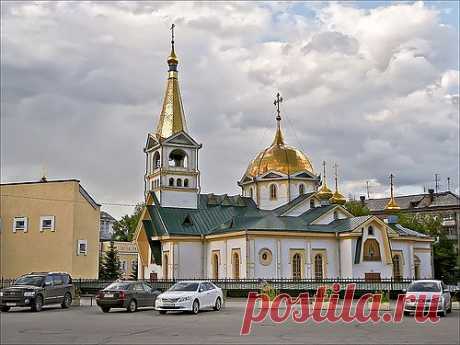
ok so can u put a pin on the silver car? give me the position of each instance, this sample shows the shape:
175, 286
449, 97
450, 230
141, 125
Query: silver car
190, 296
428, 288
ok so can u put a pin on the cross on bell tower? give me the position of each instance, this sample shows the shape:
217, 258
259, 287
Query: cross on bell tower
276, 103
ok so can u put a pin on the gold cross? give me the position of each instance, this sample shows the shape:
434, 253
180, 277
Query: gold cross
277, 102
172, 34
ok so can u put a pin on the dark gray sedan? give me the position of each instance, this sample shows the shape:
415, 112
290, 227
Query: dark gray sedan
130, 295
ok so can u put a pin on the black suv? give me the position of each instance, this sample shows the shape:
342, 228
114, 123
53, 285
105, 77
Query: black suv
37, 289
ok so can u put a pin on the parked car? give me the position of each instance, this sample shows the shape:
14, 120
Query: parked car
428, 288
126, 294
190, 296
37, 289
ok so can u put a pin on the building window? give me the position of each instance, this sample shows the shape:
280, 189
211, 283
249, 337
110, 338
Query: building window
371, 250
318, 267
301, 189
186, 182
265, 256
47, 223
178, 158
370, 231
156, 160
165, 266
416, 267
312, 203
179, 182
236, 265
171, 182
397, 267
82, 247
20, 224
215, 266
273, 192
296, 266
336, 215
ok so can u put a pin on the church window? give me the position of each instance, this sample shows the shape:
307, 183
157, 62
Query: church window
371, 250
336, 215
156, 160
312, 203
178, 158
186, 182
236, 265
318, 267
265, 256
171, 182
296, 266
416, 267
370, 231
397, 267
301, 189
273, 192
215, 266
179, 182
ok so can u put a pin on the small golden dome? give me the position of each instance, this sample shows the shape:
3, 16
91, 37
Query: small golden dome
279, 157
324, 193
338, 199
392, 206
172, 58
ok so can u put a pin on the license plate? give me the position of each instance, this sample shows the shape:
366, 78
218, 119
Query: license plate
168, 304
108, 295
11, 304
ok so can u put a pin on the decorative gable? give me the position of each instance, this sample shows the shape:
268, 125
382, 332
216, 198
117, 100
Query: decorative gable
305, 174
182, 139
151, 142
271, 175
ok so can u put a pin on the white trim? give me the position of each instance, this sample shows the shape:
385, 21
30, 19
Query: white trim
43, 218
82, 252
18, 219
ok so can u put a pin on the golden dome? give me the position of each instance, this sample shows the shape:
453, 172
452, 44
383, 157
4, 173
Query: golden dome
392, 206
172, 58
279, 157
324, 193
338, 198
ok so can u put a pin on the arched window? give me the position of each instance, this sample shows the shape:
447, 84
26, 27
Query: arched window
215, 266
165, 267
397, 267
171, 182
296, 266
156, 160
318, 267
312, 203
416, 267
236, 265
273, 192
179, 182
370, 231
301, 189
371, 250
178, 158
186, 182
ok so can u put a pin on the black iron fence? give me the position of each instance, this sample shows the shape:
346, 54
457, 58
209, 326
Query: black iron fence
240, 287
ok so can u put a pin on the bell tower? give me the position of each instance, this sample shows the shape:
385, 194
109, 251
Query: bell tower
171, 167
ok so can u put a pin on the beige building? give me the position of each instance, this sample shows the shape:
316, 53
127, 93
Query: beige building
48, 226
127, 253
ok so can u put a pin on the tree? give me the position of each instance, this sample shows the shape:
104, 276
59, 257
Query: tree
357, 208
123, 229
134, 272
109, 266
444, 254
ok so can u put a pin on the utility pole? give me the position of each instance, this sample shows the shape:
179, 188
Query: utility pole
448, 184
367, 190
436, 185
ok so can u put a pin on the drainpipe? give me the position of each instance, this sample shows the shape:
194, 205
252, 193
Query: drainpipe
340, 255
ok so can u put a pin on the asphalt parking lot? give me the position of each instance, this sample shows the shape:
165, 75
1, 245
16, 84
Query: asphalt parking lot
88, 325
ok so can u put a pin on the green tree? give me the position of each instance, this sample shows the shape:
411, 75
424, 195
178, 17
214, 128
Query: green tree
123, 229
357, 208
444, 254
109, 266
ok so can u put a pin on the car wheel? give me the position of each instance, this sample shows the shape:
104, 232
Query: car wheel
5, 309
218, 304
132, 306
105, 309
443, 313
162, 312
196, 307
38, 304
67, 302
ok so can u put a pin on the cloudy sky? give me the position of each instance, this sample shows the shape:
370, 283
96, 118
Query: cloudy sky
373, 86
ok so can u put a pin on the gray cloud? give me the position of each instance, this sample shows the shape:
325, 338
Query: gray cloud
82, 84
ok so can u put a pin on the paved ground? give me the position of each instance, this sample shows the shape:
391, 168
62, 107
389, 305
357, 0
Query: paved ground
87, 324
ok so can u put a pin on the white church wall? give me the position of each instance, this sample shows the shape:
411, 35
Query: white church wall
219, 247
238, 245
189, 260
403, 247
265, 202
425, 263
309, 186
262, 270
179, 199
329, 217
302, 207
346, 257
331, 262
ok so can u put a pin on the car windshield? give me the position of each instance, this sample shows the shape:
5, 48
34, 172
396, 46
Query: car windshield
30, 280
184, 287
424, 287
118, 286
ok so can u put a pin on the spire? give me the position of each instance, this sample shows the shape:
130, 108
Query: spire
392, 205
172, 117
279, 140
337, 198
324, 193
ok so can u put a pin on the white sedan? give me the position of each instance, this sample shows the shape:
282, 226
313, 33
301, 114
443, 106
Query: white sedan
190, 296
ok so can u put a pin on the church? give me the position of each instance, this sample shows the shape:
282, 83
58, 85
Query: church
285, 224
